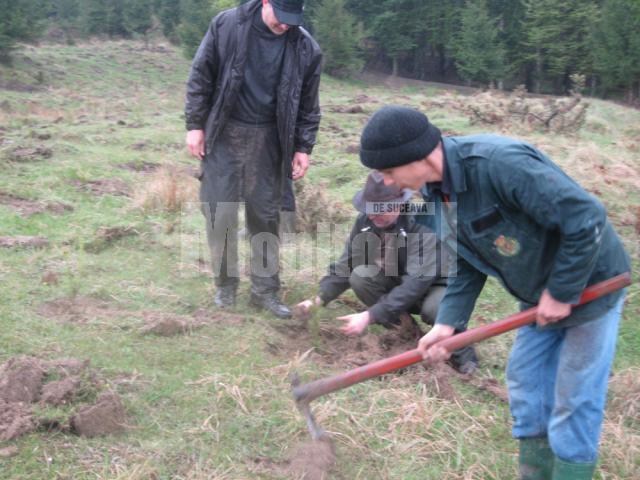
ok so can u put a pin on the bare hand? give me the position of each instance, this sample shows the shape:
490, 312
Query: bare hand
355, 323
306, 305
300, 165
195, 143
551, 310
426, 343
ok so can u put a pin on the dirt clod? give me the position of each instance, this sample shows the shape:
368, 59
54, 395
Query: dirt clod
8, 452
313, 460
15, 419
21, 380
166, 325
105, 417
60, 392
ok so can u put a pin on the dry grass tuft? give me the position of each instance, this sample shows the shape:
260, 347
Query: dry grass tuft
167, 190
314, 206
520, 111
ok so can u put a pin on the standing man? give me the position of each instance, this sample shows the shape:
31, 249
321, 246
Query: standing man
513, 214
252, 114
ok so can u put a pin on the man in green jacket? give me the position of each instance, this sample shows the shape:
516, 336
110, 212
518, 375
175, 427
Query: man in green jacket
511, 213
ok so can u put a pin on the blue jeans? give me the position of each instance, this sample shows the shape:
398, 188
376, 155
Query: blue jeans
557, 381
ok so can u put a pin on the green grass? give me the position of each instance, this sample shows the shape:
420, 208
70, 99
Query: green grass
216, 403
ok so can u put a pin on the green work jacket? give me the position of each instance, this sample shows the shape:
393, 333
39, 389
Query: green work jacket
511, 213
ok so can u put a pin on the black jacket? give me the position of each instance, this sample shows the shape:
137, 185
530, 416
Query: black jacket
217, 74
420, 262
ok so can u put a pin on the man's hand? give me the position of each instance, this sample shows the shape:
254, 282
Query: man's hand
551, 310
355, 323
300, 165
195, 143
434, 353
305, 306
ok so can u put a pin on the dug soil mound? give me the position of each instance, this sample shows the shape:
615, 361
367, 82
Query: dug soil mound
63, 383
312, 460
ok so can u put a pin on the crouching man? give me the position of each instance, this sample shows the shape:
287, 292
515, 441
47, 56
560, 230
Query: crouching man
394, 265
513, 214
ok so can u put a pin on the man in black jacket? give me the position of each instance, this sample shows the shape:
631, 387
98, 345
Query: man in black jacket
252, 114
393, 264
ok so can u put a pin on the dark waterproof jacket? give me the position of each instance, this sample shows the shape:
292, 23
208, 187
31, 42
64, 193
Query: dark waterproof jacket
412, 253
217, 73
515, 215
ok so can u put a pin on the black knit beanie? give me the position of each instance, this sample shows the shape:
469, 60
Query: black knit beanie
396, 136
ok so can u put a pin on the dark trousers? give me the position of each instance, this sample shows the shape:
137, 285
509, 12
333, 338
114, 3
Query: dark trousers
245, 164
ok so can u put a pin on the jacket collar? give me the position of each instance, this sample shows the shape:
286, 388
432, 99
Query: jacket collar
454, 165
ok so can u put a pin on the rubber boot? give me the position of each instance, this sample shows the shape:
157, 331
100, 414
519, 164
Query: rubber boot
572, 471
536, 459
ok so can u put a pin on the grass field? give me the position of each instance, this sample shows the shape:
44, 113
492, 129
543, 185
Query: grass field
92, 160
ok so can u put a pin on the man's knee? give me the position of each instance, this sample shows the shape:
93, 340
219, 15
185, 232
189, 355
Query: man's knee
431, 303
365, 282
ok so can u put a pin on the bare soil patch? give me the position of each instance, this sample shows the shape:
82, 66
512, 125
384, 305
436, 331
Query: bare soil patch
77, 309
27, 207
140, 167
23, 241
106, 186
105, 237
105, 417
345, 108
332, 347
29, 154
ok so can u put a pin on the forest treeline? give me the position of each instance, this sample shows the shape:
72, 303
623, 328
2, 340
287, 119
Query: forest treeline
549, 46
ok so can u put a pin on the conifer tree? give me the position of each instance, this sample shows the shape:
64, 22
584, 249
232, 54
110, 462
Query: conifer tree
16, 24
616, 46
479, 53
340, 37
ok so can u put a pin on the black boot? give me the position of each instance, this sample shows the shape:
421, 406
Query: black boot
271, 303
464, 360
225, 297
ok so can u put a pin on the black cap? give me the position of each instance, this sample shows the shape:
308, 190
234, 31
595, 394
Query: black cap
396, 136
288, 12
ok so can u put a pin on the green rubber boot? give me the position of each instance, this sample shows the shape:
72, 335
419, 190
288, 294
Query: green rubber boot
536, 459
572, 471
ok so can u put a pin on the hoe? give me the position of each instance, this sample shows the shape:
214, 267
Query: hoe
305, 394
